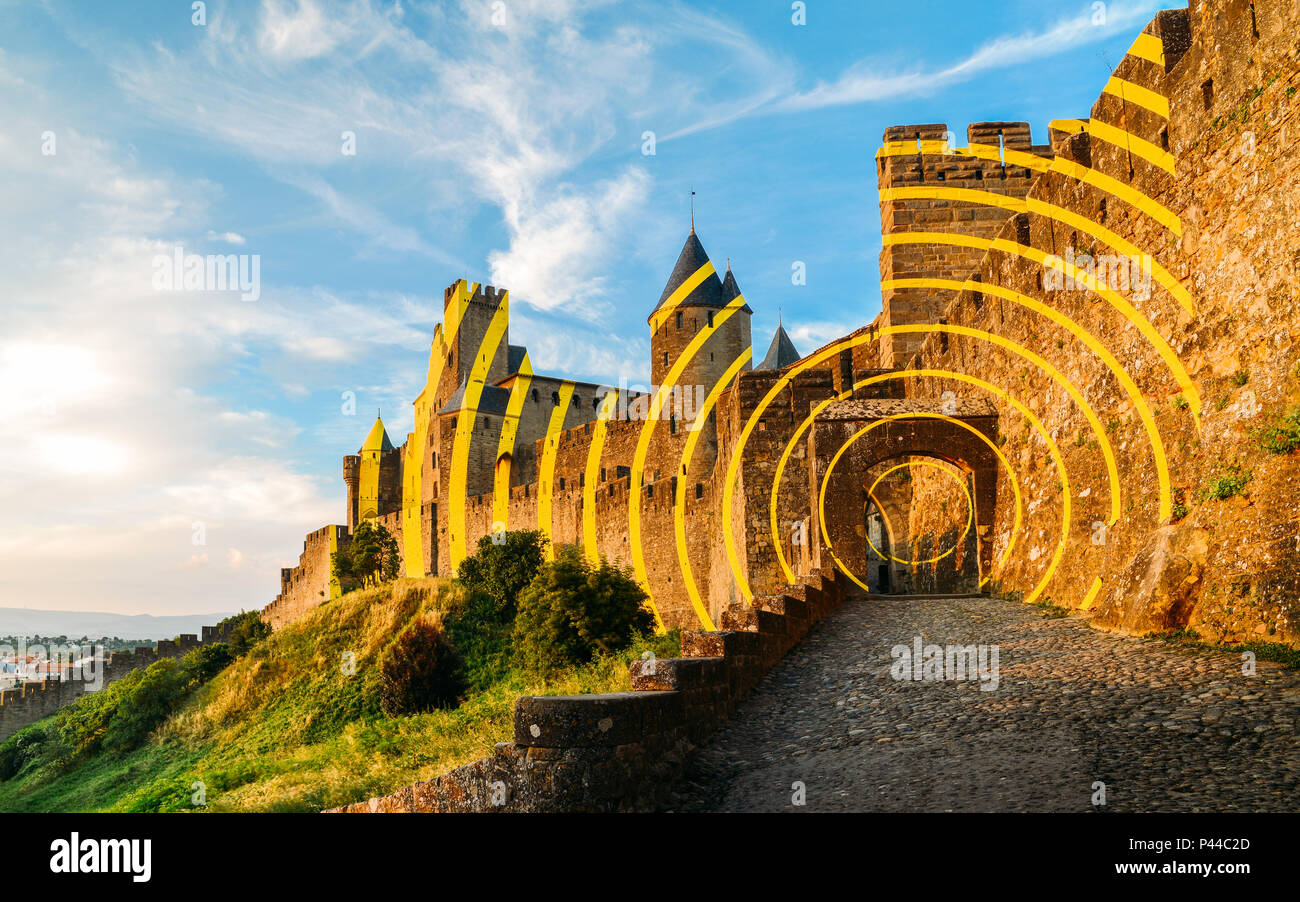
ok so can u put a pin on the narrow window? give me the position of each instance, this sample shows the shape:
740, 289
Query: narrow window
665, 358
679, 319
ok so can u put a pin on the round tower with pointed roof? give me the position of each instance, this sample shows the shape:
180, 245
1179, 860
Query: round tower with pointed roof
695, 300
377, 475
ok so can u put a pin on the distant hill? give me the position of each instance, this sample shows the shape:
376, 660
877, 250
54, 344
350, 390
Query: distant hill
74, 624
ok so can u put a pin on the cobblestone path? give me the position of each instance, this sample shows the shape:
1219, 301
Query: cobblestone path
1165, 727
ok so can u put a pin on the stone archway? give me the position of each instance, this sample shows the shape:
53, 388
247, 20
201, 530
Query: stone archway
850, 438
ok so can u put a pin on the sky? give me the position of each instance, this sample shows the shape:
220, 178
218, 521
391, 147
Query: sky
164, 449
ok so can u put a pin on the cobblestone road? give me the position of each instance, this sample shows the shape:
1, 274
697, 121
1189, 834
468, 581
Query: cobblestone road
1165, 727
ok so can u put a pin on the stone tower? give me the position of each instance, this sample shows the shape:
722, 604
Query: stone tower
691, 301
374, 477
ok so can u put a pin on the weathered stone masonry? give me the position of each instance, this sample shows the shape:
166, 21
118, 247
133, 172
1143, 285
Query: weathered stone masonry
1108, 404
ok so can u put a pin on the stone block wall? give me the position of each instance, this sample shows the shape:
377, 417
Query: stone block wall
308, 585
1226, 568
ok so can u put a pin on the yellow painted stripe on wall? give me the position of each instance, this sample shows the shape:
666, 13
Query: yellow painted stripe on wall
509, 429
546, 470
1092, 594
643, 447
910, 148
1111, 134
368, 502
336, 589
1122, 190
413, 462
592, 476
1060, 214
1093, 177
1148, 47
1127, 248
458, 476
657, 318
1143, 97
679, 502
967, 195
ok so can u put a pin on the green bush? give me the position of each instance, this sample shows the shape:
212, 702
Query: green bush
20, 749
572, 611
203, 663
143, 704
121, 716
420, 671
474, 625
501, 569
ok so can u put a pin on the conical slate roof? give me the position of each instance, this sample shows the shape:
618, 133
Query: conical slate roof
708, 293
781, 353
730, 290
377, 440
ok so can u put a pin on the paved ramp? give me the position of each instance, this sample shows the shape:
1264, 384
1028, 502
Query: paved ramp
1165, 727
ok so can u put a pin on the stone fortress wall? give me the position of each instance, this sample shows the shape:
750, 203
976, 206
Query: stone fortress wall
1115, 400
24, 705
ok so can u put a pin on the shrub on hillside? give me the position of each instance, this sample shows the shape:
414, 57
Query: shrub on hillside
1229, 480
245, 630
121, 716
20, 749
420, 671
572, 611
501, 567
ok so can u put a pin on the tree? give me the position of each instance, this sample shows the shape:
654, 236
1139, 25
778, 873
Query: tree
243, 631
572, 611
371, 557
502, 566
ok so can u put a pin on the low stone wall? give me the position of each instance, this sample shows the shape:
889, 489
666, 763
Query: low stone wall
27, 703
624, 751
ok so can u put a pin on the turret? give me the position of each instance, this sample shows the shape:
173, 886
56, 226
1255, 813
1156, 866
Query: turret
780, 353
695, 299
379, 483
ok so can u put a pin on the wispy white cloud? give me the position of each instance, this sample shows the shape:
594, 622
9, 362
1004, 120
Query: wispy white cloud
874, 80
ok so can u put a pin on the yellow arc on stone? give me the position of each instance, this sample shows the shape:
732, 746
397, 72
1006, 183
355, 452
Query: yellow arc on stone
882, 377
546, 468
733, 467
643, 447
465, 421
679, 502
970, 509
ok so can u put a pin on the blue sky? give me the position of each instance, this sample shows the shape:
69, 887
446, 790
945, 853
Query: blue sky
497, 141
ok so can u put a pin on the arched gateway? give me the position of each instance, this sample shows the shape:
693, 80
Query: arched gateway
861, 526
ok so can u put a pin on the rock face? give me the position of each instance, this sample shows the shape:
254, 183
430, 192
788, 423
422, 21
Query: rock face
1158, 589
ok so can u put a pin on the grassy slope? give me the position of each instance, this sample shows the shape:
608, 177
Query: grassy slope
285, 729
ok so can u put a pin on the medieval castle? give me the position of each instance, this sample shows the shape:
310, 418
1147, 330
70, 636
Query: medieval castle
1076, 334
